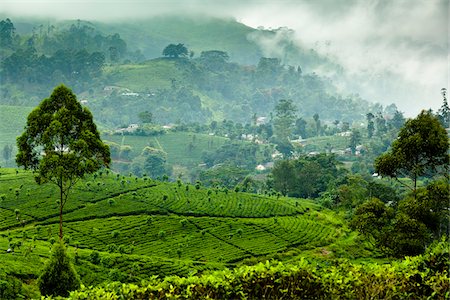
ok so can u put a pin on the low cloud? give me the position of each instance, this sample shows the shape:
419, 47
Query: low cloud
392, 51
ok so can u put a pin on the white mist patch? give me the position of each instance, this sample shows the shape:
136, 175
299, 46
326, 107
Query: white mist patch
391, 51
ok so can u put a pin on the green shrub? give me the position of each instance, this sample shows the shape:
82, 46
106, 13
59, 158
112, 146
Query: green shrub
59, 276
10, 287
94, 257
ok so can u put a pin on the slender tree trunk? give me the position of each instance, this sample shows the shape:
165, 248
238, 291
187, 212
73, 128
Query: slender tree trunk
60, 213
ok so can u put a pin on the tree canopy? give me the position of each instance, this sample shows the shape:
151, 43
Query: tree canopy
61, 143
420, 149
175, 51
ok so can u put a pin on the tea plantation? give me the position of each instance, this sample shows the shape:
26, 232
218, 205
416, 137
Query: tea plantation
130, 229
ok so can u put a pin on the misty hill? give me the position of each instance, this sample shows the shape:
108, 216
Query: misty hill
244, 44
232, 73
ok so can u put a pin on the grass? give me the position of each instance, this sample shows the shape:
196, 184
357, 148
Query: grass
12, 121
175, 144
151, 75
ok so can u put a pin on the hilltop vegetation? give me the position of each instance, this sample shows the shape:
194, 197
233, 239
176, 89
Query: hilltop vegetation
211, 83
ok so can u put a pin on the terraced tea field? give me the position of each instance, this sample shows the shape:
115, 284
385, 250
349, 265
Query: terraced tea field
113, 222
175, 144
12, 121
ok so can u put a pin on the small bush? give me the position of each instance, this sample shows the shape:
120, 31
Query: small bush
115, 234
94, 257
59, 276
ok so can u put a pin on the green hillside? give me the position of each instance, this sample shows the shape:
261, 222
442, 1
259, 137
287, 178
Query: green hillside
197, 33
156, 228
175, 144
150, 75
12, 122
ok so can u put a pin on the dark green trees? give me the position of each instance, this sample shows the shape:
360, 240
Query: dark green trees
443, 113
59, 276
371, 220
7, 31
306, 176
175, 51
61, 143
420, 149
370, 125
285, 116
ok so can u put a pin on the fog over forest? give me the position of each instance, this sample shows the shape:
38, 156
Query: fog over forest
390, 51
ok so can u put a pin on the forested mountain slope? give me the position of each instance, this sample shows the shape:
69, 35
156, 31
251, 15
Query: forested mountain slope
225, 74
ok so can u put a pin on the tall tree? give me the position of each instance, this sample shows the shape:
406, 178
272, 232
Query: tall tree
7, 31
61, 143
300, 128
7, 150
370, 125
285, 115
397, 120
420, 149
444, 112
381, 124
355, 139
317, 123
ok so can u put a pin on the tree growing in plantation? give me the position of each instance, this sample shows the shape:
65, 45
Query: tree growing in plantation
146, 117
355, 139
61, 144
381, 124
371, 219
420, 149
59, 276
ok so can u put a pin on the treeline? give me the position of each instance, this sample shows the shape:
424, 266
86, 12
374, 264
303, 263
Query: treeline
50, 55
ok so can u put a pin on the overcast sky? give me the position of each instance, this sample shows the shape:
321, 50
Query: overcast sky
400, 45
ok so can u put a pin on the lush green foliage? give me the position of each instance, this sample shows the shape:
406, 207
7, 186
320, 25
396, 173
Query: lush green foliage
61, 143
203, 88
306, 176
422, 277
140, 227
420, 149
59, 276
